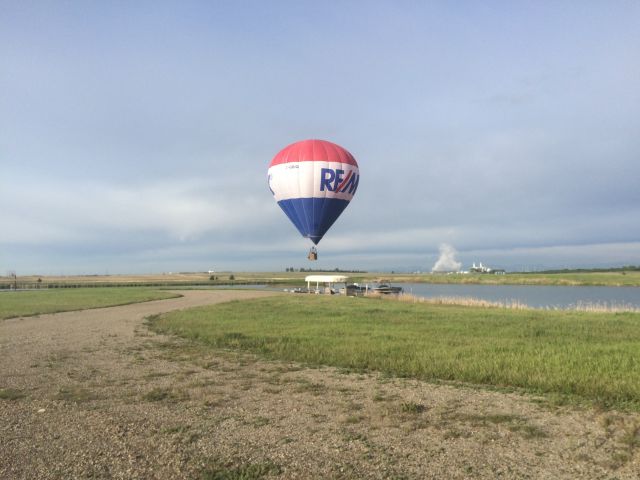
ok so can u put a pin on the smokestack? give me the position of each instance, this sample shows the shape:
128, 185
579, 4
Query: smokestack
447, 261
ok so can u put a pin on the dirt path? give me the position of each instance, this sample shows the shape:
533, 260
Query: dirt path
94, 394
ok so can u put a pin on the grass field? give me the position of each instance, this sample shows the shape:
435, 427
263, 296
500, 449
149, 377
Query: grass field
572, 356
601, 278
14, 304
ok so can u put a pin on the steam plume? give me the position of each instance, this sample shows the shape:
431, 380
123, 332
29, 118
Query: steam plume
447, 261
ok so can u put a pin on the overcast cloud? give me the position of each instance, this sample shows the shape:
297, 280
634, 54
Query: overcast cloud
135, 137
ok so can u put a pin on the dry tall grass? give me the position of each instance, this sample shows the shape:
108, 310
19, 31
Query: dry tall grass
593, 307
605, 307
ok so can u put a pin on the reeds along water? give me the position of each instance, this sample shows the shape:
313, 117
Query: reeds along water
511, 304
605, 307
461, 301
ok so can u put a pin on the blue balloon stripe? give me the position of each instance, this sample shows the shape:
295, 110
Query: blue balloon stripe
291, 212
303, 219
313, 216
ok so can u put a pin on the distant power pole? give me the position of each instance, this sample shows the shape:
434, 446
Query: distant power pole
12, 274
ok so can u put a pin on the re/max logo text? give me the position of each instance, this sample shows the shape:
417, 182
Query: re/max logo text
336, 181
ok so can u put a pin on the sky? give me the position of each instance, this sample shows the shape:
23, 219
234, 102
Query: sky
135, 136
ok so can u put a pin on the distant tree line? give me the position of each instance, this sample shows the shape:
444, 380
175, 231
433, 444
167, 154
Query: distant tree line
302, 269
215, 277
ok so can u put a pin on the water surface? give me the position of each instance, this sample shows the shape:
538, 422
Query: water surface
536, 296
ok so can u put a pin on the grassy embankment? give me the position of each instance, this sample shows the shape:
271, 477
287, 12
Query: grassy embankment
570, 356
14, 304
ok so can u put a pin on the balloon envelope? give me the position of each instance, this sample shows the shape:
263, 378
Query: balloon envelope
313, 181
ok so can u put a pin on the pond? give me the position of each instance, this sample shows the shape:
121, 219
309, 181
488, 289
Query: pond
535, 296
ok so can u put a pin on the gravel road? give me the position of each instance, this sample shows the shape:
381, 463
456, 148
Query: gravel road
94, 394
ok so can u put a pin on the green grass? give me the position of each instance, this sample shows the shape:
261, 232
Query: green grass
75, 394
515, 423
412, 407
574, 355
218, 470
16, 304
165, 395
11, 394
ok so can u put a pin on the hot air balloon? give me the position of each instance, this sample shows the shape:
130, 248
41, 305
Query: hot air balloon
313, 181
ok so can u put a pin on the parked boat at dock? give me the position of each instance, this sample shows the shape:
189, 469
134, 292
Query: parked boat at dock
386, 289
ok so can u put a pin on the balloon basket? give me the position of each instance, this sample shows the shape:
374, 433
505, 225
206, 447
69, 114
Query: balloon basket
313, 254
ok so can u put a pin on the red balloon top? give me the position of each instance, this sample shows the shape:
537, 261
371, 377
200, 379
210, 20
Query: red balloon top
313, 151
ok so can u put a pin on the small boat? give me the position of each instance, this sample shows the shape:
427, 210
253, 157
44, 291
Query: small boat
386, 289
353, 290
